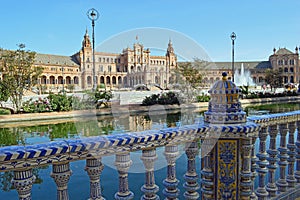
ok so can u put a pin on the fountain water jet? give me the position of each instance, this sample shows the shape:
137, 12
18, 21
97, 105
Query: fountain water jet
243, 78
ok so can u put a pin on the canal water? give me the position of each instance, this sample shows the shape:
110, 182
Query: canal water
45, 188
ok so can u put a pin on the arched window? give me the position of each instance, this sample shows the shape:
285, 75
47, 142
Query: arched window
102, 79
119, 80
286, 69
76, 80
60, 80
52, 80
114, 80
292, 69
68, 80
89, 80
43, 80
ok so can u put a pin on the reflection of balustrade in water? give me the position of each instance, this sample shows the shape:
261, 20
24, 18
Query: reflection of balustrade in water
280, 159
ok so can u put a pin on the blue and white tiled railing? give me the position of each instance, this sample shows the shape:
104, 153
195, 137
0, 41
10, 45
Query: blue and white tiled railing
240, 147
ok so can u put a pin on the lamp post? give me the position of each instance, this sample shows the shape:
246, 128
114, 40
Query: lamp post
93, 15
233, 37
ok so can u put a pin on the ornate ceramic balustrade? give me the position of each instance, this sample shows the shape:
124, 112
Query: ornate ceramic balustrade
242, 157
236, 145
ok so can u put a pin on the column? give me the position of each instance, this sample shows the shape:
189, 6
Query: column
123, 162
246, 174
291, 153
61, 174
254, 167
23, 181
94, 169
191, 186
297, 173
281, 182
261, 191
272, 151
171, 191
149, 188
207, 175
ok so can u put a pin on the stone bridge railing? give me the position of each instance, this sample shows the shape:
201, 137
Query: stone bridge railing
259, 159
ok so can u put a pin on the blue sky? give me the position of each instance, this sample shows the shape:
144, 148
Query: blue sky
58, 26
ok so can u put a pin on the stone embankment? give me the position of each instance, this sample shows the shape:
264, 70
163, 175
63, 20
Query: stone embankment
117, 109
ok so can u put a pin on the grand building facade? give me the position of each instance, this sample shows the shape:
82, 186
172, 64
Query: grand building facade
128, 69
136, 66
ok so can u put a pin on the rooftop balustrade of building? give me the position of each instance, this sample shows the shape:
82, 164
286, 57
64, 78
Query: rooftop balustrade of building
231, 162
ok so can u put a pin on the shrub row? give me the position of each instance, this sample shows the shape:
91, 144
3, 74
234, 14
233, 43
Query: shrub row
62, 102
168, 98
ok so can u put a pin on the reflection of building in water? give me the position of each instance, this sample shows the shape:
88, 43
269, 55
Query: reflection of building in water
132, 123
140, 123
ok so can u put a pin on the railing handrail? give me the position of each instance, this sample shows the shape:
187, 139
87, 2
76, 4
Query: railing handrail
19, 157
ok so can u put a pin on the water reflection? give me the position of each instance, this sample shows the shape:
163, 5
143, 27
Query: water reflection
85, 127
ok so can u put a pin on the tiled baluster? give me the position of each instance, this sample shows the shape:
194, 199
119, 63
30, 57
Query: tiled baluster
61, 174
245, 189
297, 173
123, 162
149, 188
94, 168
261, 191
272, 151
23, 181
171, 191
291, 160
253, 167
191, 186
282, 183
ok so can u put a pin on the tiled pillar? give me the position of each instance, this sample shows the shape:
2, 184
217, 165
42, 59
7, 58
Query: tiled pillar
291, 153
123, 162
281, 182
23, 181
191, 186
171, 191
149, 188
261, 191
61, 174
94, 169
272, 151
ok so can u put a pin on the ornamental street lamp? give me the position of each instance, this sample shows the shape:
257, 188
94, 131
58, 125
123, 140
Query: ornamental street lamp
233, 37
93, 15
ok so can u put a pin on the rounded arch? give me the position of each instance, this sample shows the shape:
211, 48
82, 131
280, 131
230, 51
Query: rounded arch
114, 80
52, 80
107, 79
89, 80
102, 79
76, 80
68, 80
119, 80
60, 80
44, 80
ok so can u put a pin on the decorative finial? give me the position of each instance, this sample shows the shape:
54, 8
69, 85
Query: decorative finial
224, 78
274, 50
296, 49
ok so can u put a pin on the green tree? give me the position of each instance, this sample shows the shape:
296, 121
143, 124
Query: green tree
191, 72
19, 74
273, 78
189, 76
